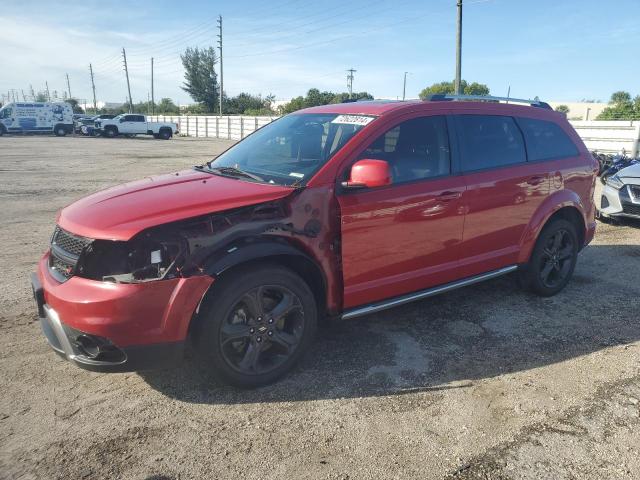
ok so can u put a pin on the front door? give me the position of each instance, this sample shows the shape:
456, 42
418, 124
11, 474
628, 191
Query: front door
403, 237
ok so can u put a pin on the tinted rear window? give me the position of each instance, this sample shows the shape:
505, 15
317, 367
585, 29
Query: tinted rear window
546, 140
489, 141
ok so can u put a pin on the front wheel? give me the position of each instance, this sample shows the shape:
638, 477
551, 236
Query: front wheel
60, 131
256, 325
553, 259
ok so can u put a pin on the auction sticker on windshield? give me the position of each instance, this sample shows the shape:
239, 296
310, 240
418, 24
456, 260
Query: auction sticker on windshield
353, 119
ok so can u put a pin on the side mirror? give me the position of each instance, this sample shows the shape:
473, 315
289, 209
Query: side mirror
121, 120
369, 173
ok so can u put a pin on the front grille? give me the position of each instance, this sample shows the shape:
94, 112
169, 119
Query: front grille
631, 209
66, 248
61, 267
69, 242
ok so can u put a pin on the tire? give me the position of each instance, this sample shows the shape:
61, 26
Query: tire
110, 132
60, 131
165, 134
553, 259
1, 130
248, 342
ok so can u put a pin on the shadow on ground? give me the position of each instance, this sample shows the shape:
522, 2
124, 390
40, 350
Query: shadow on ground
473, 333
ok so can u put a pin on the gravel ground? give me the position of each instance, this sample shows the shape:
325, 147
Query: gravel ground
482, 383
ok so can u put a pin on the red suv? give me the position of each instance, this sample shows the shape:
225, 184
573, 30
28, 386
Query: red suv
333, 211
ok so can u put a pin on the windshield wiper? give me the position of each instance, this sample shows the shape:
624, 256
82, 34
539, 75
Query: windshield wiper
234, 172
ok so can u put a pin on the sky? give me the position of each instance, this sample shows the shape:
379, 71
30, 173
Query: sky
558, 50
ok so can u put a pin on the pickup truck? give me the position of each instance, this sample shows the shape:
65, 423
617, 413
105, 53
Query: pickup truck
129, 125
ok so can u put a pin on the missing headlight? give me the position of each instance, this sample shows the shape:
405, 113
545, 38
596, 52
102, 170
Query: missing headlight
139, 260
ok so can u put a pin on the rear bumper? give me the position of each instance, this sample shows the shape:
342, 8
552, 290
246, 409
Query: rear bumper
109, 327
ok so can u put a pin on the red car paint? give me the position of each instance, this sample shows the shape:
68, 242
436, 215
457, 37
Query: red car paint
372, 244
118, 213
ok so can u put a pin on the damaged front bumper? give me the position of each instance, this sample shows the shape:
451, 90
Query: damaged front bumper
108, 327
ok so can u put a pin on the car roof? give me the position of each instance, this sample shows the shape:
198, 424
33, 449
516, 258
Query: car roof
382, 107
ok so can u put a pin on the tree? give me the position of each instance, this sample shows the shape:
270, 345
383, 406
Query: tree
246, 103
74, 105
41, 97
315, 97
200, 77
166, 105
448, 88
562, 109
621, 107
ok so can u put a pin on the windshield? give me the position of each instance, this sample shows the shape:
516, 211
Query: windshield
291, 149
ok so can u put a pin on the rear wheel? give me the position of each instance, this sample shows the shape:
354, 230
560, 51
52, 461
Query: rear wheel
165, 134
553, 259
256, 325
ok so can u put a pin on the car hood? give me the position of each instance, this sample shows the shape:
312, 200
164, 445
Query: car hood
632, 171
120, 212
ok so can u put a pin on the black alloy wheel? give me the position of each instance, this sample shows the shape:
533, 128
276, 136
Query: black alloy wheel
262, 330
553, 259
255, 325
556, 261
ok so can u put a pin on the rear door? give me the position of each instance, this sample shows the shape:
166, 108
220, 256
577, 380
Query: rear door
503, 190
403, 237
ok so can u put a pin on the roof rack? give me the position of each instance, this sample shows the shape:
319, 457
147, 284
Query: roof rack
487, 98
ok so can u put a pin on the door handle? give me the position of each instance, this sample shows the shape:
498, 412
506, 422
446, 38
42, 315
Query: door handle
449, 196
536, 180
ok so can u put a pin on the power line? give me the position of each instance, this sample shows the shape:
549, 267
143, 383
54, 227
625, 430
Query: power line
221, 72
126, 71
350, 81
93, 87
459, 49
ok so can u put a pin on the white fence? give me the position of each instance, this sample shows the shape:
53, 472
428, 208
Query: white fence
604, 136
610, 136
229, 127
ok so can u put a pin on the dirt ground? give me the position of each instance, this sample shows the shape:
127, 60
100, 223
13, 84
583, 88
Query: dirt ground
485, 382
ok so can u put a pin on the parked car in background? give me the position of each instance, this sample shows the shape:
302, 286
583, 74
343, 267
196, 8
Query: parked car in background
130, 124
86, 126
621, 193
340, 210
36, 117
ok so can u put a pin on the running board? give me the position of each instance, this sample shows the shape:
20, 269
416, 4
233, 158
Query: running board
430, 292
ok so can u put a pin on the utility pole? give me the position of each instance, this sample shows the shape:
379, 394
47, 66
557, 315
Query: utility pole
126, 71
350, 81
33, 94
404, 86
48, 94
93, 87
24, 98
221, 72
68, 85
153, 102
459, 50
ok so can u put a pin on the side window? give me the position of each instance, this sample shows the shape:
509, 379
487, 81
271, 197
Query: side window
415, 149
139, 118
488, 141
546, 140
127, 118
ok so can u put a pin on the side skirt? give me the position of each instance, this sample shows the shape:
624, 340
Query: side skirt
430, 292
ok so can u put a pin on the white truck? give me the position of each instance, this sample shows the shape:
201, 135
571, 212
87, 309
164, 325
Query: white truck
36, 117
131, 124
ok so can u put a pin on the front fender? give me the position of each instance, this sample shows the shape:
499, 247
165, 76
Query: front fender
553, 203
248, 250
